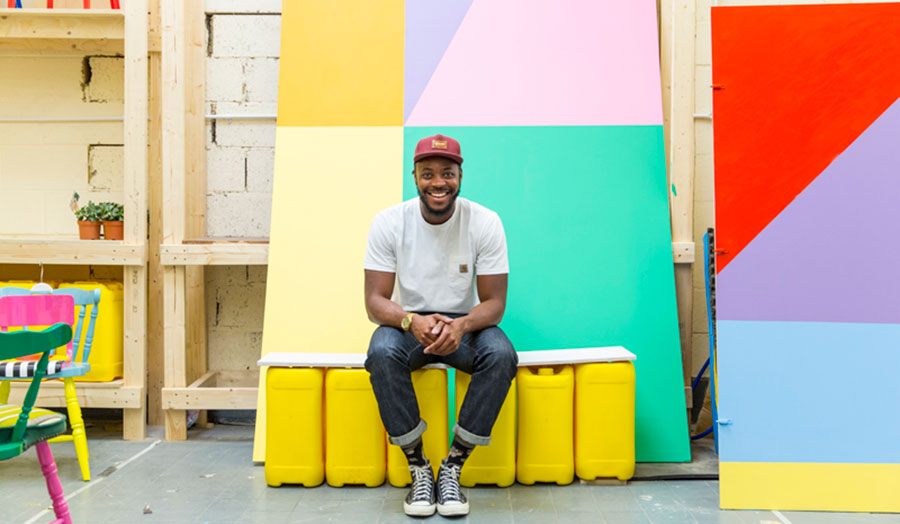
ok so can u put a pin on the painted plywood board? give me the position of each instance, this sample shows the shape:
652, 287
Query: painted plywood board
317, 244
589, 251
806, 164
341, 63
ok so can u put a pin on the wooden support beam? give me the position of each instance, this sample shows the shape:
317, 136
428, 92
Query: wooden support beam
677, 44
215, 390
94, 30
231, 254
80, 252
155, 415
173, 186
136, 187
114, 394
195, 183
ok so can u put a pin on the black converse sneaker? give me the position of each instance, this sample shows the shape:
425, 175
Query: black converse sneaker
450, 500
420, 500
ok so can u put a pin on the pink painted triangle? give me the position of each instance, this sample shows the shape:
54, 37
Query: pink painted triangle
430, 26
566, 62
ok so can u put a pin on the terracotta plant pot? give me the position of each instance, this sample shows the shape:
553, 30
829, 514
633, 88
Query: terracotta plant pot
113, 230
88, 229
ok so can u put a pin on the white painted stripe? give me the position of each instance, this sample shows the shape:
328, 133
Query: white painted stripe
94, 482
782, 518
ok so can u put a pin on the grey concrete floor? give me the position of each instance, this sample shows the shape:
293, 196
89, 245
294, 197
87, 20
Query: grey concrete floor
210, 478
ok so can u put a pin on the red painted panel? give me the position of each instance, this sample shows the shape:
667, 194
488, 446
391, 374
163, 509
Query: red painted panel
793, 87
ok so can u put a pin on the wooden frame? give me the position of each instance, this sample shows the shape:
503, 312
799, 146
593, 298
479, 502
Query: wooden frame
126, 30
677, 44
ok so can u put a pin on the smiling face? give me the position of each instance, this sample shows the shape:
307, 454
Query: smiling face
438, 181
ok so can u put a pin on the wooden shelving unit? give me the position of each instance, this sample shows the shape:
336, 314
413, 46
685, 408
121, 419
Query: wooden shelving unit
87, 30
125, 31
183, 255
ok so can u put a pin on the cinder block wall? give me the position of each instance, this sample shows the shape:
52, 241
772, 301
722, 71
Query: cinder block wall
243, 46
42, 164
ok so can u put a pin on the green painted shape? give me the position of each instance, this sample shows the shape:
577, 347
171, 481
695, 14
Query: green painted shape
587, 223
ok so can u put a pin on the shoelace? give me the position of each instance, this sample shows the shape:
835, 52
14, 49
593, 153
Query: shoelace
448, 482
423, 482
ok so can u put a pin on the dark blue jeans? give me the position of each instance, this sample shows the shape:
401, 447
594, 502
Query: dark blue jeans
487, 355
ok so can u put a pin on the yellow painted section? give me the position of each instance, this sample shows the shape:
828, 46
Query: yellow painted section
341, 63
810, 486
329, 184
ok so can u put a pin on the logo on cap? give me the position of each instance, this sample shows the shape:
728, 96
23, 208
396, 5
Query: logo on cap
438, 144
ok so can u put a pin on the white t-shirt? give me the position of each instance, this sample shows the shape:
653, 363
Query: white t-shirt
436, 265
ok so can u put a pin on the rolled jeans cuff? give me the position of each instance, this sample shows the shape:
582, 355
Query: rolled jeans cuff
408, 438
469, 437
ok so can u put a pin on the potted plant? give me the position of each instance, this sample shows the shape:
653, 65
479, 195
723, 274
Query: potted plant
88, 217
112, 214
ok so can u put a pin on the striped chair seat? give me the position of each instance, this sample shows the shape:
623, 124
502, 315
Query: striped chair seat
43, 424
25, 368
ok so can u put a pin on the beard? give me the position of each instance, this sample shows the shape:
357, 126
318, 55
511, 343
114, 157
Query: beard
440, 212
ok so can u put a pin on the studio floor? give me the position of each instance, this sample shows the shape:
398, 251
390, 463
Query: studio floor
210, 479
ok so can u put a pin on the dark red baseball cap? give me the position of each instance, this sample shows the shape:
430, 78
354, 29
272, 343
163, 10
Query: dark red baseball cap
438, 145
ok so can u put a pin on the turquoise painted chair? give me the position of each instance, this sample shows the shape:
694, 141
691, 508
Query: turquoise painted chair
21, 311
24, 426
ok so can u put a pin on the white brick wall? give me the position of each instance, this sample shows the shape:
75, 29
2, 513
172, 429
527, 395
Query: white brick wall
241, 79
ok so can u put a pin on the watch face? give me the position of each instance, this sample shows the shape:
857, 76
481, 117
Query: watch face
407, 321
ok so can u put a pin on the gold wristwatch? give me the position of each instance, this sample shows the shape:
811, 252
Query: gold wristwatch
406, 323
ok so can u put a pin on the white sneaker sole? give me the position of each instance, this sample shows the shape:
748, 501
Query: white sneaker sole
418, 510
453, 510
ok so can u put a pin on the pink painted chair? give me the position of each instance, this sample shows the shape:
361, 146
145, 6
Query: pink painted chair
24, 426
18, 311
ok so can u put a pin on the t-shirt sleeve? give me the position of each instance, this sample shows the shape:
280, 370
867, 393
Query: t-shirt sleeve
491, 257
380, 254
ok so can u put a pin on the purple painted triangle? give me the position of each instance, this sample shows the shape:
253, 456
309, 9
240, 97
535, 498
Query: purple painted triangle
430, 26
833, 254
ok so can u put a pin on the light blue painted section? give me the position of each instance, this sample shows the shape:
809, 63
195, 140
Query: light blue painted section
809, 392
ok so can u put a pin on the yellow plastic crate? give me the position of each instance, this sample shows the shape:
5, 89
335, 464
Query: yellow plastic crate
106, 349
431, 391
355, 450
604, 420
294, 441
546, 448
496, 463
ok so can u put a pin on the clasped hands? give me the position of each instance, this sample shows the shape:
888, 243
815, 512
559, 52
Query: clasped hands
440, 334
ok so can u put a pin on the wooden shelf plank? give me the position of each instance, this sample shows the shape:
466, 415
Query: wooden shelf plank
62, 29
215, 390
34, 250
221, 254
90, 394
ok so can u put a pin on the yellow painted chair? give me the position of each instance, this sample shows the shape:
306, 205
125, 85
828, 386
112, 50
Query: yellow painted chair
40, 310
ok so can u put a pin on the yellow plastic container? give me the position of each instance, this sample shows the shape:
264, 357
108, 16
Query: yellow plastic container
294, 442
431, 391
546, 443
604, 420
106, 349
355, 450
495, 463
